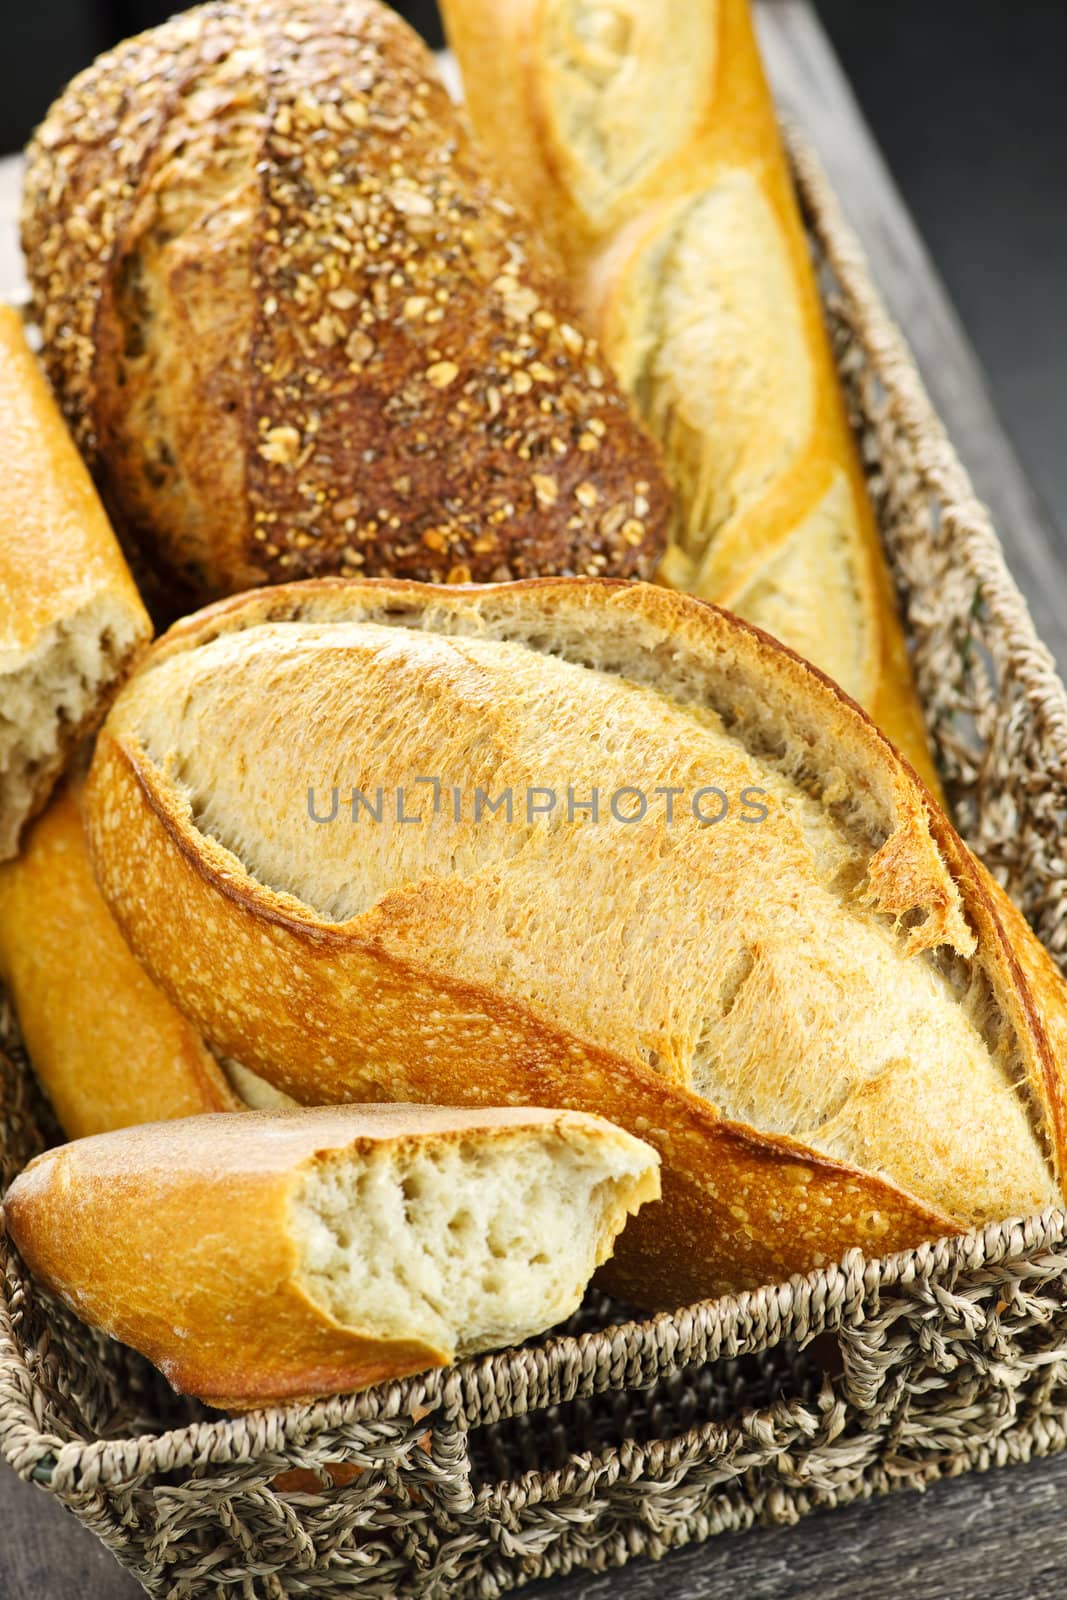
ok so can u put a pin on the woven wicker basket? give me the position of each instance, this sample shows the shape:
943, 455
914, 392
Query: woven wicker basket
618, 1438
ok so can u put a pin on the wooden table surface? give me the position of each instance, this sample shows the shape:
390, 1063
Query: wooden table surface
1001, 1533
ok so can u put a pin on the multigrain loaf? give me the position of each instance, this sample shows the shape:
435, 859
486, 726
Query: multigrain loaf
108, 1046
276, 1256
830, 1022
296, 329
71, 621
644, 138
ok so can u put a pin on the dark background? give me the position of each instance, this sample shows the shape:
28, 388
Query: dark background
968, 99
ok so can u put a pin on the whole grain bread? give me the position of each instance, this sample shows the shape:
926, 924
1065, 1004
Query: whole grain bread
644, 138
274, 1256
71, 620
829, 1021
296, 329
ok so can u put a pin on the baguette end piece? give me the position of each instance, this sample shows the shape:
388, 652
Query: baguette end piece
270, 1257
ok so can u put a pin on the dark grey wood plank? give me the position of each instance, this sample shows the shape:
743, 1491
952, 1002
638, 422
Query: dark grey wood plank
1000, 1533
46, 1554
997, 1533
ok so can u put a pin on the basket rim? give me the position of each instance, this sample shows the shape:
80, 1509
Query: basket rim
937, 461
556, 1369
631, 1353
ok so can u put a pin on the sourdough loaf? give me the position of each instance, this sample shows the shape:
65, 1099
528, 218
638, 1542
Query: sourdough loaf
643, 137
71, 620
275, 1256
295, 327
829, 1021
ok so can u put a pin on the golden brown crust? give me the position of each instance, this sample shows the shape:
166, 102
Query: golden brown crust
739, 1208
57, 551
377, 368
107, 1045
71, 620
1029, 988
176, 1238
742, 1206
796, 546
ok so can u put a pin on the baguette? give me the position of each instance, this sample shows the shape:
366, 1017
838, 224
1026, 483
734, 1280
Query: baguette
832, 1024
71, 620
277, 1256
108, 1047
644, 139
297, 329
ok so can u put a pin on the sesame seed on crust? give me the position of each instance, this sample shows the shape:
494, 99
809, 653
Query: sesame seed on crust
395, 362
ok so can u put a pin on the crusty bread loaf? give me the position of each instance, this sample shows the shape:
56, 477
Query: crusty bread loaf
273, 1256
297, 330
71, 621
830, 1022
108, 1046
643, 137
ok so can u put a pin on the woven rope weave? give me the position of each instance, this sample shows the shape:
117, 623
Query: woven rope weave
619, 1438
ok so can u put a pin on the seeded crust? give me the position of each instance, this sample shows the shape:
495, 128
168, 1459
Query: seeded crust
295, 328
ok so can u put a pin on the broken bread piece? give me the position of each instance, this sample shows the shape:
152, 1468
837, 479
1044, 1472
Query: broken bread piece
71, 620
274, 1256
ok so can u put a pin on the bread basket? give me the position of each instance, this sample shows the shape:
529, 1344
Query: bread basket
615, 1438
